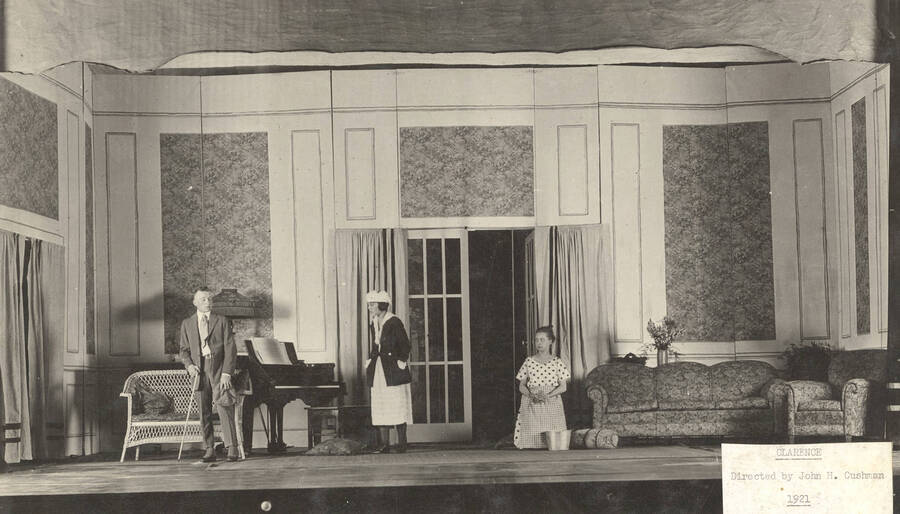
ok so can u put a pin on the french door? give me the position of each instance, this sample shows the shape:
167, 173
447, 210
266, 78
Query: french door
438, 273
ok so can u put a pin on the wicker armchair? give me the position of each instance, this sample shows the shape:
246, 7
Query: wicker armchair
169, 427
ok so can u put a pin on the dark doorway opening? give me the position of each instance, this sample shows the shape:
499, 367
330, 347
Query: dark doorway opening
497, 323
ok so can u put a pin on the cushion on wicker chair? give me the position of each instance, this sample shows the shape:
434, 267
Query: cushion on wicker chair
165, 416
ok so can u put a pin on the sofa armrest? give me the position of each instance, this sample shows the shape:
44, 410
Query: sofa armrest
776, 392
772, 386
600, 398
855, 403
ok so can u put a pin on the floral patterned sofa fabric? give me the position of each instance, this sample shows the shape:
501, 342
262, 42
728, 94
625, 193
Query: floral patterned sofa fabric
683, 386
684, 398
623, 387
850, 404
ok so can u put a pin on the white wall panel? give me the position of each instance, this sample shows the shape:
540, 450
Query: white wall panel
626, 220
124, 265
844, 213
809, 172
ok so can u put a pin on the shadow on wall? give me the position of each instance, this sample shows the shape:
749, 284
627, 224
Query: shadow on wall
152, 309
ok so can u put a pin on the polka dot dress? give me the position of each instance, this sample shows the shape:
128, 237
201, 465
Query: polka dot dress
535, 418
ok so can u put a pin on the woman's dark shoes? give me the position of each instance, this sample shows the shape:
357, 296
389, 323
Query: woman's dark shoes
210, 455
382, 449
401, 438
233, 454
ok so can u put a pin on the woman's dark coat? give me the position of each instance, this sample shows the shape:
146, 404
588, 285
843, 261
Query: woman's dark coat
394, 346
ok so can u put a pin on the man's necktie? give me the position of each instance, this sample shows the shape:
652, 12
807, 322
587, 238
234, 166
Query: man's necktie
204, 332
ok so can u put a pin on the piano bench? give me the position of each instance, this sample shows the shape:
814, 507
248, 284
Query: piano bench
347, 419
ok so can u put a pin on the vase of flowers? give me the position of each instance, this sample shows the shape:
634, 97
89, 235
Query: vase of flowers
663, 336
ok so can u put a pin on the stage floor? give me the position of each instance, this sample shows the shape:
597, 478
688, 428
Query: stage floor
427, 466
669, 478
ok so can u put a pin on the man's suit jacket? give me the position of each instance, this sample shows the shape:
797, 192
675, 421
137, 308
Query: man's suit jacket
223, 352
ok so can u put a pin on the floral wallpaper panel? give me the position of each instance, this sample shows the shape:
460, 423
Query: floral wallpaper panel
28, 151
753, 280
236, 235
697, 231
861, 214
182, 239
215, 224
466, 171
718, 231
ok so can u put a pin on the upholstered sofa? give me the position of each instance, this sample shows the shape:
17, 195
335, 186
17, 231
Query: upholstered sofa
850, 404
684, 399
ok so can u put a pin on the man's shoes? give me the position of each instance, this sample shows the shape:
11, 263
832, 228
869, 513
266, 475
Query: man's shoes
233, 454
210, 455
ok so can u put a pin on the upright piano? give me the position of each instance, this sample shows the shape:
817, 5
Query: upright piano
279, 383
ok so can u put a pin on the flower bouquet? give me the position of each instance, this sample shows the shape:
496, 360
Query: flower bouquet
663, 336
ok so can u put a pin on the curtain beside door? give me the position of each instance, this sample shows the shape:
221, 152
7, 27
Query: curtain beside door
45, 294
366, 260
572, 284
13, 381
30, 369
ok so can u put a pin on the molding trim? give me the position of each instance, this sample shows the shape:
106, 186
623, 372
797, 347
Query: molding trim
821, 171
137, 283
587, 201
640, 260
373, 216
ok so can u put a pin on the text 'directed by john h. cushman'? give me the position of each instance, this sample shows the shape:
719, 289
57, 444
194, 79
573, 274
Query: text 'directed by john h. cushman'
828, 477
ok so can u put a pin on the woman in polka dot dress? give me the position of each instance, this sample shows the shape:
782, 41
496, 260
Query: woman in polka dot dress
542, 379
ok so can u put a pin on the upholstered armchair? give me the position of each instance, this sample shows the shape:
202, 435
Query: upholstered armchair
850, 404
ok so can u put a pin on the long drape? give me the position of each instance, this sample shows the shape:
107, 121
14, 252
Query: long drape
572, 264
34, 299
45, 295
16, 417
366, 260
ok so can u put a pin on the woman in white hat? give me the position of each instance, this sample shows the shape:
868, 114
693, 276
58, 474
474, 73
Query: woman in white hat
387, 372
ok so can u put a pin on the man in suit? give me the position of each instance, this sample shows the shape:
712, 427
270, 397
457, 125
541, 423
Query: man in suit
208, 350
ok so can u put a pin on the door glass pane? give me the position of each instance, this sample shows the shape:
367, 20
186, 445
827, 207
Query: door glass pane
436, 393
414, 266
417, 329
435, 329
455, 393
419, 394
454, 329
435, 266
453, 274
